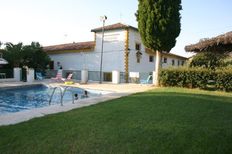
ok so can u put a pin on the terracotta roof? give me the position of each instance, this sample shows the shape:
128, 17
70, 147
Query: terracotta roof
149, 51
70, 47
113, 27
221, 43
174, 55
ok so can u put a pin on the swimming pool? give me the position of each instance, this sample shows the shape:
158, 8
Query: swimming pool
35, 96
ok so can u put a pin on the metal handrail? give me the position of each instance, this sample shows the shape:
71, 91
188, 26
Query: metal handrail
62, 92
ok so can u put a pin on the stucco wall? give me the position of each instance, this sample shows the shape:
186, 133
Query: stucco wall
144, 65
169, 61
112, 56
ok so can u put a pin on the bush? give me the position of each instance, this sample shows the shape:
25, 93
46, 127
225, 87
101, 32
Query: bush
223, 79
196, 78
208, 60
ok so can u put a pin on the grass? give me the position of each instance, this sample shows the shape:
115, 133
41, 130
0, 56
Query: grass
165, 120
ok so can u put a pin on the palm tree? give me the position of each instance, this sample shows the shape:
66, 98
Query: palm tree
12, 53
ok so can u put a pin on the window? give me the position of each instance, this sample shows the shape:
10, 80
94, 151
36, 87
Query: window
138, 56
138, 53
107, 76
173, 62
165, 60
178, 63
51, 65
137, 47
182, 63
151, 58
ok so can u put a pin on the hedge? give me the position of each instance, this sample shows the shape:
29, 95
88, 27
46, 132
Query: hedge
223, 79
201, 78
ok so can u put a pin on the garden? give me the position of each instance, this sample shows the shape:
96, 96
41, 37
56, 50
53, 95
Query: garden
164, 120
210, 68
177, 118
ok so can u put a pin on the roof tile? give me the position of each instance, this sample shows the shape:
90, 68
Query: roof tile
71, 46
113, 27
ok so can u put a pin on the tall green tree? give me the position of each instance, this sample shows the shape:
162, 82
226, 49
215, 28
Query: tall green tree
159, 26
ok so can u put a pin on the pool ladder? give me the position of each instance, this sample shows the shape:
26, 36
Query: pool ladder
62, 92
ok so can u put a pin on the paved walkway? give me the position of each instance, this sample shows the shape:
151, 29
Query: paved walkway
117, 91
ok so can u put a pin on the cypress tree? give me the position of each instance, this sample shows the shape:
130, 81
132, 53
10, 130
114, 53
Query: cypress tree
159, 25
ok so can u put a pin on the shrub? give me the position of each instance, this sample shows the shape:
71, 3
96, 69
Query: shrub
196, 78
223, 79
208, 60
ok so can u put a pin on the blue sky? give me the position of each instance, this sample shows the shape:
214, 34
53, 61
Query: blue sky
61, 21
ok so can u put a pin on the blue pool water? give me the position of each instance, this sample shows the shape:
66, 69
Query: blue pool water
28, 97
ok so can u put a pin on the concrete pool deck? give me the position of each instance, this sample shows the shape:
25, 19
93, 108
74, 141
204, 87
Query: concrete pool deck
117, 91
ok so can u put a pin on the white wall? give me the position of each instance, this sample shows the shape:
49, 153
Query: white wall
169, 61
74, 61
144, 65
113, 55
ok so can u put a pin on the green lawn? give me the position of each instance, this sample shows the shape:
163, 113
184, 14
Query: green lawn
165, 120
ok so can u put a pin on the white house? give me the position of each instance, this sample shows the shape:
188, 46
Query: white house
123, 51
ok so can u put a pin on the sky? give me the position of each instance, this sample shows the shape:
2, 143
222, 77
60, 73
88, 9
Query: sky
51, 22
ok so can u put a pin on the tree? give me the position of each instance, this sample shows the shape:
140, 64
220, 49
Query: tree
34, 57
31, 56
13, 53
159, 26
208, 60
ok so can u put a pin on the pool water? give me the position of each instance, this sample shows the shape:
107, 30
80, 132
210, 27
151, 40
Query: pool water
35, 96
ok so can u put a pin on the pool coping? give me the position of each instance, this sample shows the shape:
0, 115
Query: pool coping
19, 86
